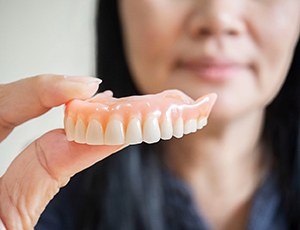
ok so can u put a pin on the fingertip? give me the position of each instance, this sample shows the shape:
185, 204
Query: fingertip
59, 89
80, 87
82, 79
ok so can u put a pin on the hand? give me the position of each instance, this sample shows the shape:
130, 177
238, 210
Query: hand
48, 163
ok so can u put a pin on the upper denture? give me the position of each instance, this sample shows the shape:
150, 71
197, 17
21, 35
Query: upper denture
104, 119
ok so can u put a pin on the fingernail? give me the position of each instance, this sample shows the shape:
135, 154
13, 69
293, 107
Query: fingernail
83, 79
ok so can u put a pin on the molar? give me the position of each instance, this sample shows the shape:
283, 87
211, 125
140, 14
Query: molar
94, 133
166, 128
80, 132
190, 126
70, 129
134, 132
151, 131
114, 133
178, 128
201, 123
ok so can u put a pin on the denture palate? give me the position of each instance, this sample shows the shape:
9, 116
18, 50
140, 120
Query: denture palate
105, 120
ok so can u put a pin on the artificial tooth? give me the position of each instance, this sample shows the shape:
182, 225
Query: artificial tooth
114, 133
201, 123
80, 132
151, 131
166, 128
94, 133
178, 128
134, 132
190, 126
70, 129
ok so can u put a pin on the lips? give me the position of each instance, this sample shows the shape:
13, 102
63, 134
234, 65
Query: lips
213, 69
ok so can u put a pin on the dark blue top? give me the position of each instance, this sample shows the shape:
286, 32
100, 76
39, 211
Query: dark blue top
266, 211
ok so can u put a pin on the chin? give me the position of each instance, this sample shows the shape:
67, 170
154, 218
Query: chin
225, 113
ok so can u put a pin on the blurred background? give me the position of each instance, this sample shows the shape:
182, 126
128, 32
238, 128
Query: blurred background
42, 36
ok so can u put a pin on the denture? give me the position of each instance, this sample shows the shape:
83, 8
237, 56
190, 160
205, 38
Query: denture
105, 120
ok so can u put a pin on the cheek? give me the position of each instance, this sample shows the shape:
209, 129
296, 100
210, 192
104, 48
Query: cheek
275, 44
151, 30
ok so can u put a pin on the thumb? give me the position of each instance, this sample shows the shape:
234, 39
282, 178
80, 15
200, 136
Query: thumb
31, 97
38, 173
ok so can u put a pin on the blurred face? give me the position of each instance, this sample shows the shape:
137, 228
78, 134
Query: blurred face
239, 49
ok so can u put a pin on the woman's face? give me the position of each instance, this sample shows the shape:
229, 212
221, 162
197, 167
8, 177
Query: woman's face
239, 49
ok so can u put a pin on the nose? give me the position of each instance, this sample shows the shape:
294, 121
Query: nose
216, 18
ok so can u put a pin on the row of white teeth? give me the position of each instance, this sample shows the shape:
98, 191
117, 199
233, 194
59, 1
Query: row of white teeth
114, 134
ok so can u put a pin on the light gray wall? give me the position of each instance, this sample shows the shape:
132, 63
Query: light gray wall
42, 36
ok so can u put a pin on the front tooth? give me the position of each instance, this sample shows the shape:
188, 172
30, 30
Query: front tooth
94, 133
134, 132
190, 126
201, 123
151, 131
70, 129
114, 133
178, 128
80, 132
166, 128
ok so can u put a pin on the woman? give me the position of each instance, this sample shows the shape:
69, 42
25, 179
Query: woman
241, 171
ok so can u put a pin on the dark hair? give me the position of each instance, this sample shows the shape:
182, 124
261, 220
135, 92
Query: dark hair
127, 187
111, 65
282, 134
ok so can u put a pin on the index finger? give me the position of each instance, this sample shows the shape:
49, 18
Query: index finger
31, 97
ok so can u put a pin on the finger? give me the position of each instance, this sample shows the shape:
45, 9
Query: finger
75, 157
36, 175
31, 97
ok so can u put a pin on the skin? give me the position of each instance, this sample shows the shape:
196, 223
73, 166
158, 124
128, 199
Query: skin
257, 38
169, 31
47, 164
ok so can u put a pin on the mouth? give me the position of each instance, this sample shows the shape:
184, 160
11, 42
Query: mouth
214, 69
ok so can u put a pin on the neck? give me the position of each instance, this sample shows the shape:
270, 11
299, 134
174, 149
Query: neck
221, 160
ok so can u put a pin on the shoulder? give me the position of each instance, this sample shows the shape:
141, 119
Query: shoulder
267, 211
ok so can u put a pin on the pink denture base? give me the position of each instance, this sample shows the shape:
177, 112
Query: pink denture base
171, 104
